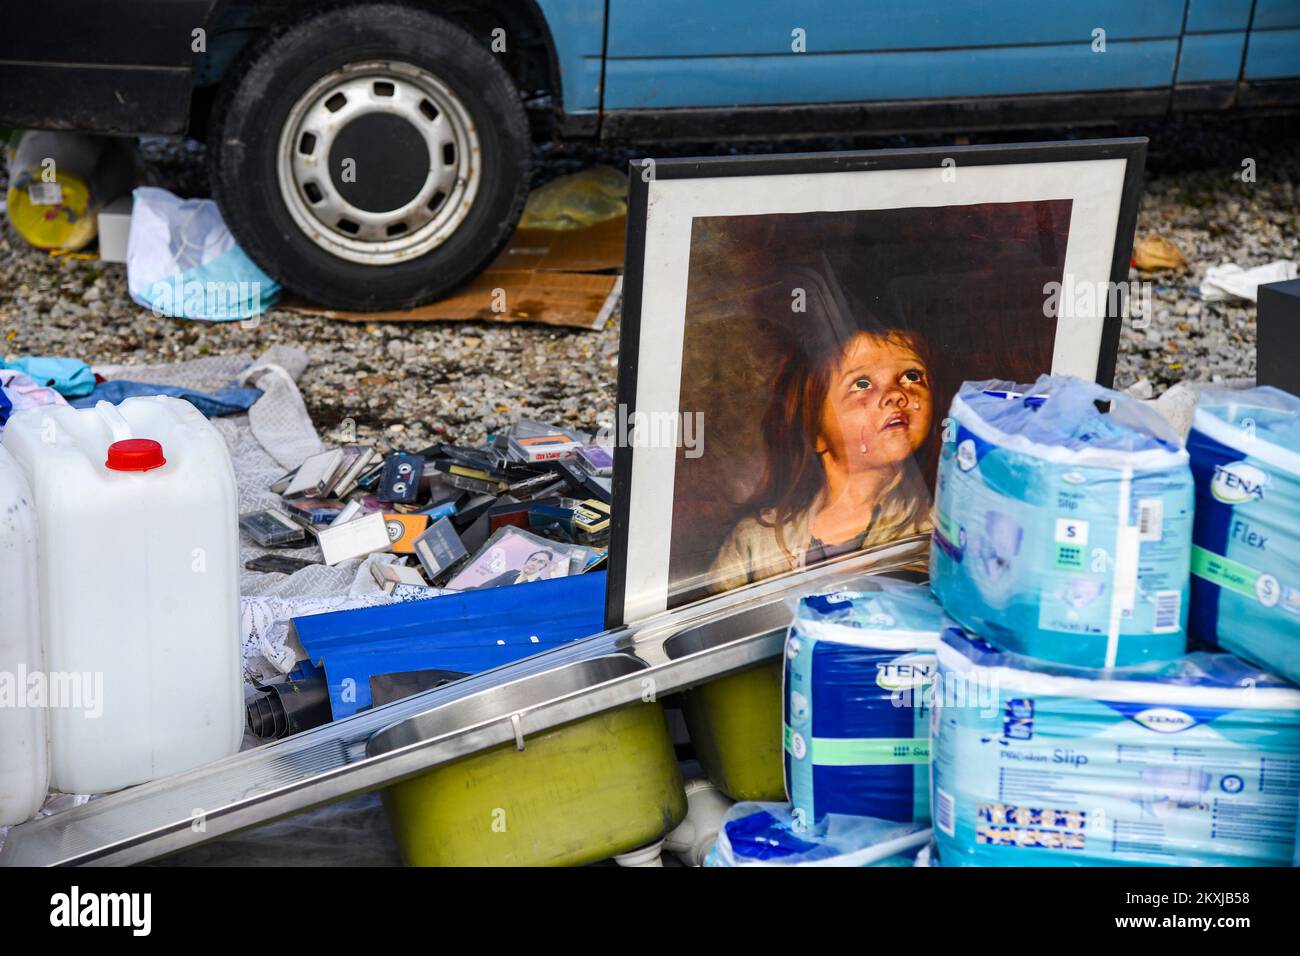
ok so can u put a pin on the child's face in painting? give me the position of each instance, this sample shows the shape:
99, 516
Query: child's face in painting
878, 407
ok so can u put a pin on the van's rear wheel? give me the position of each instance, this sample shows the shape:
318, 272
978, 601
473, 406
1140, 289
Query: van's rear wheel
372, 157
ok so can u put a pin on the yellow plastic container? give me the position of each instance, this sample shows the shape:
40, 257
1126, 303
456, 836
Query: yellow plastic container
735, 727
53, 215
575, 794
59, 181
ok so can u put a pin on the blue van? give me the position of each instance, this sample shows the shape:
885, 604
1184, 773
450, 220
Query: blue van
375, 154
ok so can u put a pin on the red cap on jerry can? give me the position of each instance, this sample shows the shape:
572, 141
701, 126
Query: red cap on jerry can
135, 454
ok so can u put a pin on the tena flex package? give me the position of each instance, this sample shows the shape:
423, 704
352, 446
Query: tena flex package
1245, 451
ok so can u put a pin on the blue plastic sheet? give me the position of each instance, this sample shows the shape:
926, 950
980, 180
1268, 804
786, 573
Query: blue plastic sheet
469, 632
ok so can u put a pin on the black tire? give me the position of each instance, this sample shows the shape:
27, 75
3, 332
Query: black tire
256, 101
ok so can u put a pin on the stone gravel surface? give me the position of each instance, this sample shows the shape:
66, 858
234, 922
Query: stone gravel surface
406, 385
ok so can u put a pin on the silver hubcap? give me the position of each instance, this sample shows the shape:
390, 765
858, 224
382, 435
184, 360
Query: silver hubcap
319, 196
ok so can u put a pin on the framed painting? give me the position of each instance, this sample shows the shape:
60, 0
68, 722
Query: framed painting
795, 327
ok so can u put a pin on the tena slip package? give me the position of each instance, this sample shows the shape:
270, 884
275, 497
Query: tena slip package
1245, 450
1193, 762
858, 664
767, 834
1062, 532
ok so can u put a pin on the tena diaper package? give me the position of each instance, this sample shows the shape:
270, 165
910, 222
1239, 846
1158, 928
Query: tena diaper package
1062, 532
1245, 451
1194, 762
766, 834
857, 665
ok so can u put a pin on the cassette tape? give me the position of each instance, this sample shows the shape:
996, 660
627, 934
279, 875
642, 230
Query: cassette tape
401, 477
439, 549
595, 460
543, 447
403, 530
271, 528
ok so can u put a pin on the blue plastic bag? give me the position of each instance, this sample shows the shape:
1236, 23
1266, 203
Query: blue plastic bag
1062, 532
183, 262
1245, 451
858, 664
1193, 762
766, 834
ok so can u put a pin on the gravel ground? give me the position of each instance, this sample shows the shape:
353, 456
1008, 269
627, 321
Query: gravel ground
411, 384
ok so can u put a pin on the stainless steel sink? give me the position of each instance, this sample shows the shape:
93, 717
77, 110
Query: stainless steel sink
763, 625
509, 701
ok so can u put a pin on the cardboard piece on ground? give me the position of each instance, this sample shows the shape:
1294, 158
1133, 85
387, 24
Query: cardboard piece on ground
594, 249
552, 277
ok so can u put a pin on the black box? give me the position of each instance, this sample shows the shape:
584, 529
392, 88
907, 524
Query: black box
1277, 336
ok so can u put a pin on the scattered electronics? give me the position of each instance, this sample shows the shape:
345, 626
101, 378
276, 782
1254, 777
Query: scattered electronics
448, 505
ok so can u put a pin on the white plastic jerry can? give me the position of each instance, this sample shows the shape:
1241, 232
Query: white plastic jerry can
139, 588
24, 767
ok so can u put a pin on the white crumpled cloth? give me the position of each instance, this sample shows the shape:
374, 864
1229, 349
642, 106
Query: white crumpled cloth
1231, 281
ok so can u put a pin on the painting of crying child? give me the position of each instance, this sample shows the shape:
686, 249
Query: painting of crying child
821, 352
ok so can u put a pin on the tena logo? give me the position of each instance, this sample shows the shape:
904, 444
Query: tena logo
906, 672
1238, 483
1164, 720
966, 458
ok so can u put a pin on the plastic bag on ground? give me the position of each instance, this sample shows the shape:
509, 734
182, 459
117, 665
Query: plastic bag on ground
183, 262
577, 201
766, 834
1231, 281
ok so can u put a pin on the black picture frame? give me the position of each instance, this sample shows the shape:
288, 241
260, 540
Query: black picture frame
1131, 150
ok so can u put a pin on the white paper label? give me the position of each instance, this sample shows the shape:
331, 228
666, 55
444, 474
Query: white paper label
45, 194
